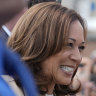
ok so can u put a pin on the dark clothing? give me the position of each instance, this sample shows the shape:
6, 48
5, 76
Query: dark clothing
3, 35
93, 78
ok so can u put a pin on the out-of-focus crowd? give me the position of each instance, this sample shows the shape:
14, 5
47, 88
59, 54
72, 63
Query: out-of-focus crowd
87, 75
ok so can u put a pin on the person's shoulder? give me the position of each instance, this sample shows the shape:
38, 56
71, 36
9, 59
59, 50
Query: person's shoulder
13, 85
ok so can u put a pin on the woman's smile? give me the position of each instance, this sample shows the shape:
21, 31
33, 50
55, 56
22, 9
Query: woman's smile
67, 70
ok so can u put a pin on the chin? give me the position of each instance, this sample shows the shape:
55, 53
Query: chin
67, 83
64, 82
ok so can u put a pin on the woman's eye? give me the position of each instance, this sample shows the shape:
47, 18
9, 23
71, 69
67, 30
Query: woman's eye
81, 48
70, 45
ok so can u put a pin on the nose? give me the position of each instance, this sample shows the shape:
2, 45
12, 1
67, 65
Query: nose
76, 56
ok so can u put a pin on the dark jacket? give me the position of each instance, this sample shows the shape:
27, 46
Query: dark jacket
3, 35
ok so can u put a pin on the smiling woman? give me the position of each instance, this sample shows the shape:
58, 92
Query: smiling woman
51, 38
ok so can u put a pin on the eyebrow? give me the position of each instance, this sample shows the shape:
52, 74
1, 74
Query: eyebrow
75, 40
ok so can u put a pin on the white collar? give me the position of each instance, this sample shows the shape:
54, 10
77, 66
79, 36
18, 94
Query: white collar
6, 30
49, 95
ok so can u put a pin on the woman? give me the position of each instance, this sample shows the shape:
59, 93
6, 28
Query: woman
51, 38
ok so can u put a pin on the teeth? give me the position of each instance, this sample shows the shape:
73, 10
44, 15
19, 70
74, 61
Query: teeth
67, 69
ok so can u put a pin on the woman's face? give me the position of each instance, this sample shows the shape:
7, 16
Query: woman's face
62, 65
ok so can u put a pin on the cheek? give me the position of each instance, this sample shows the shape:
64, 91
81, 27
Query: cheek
52, 68
47, 68
64, 54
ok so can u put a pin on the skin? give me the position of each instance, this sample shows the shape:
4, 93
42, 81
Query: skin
93, 93
94, 69
71, 56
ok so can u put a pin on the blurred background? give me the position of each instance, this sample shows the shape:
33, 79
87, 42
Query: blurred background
87, 9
